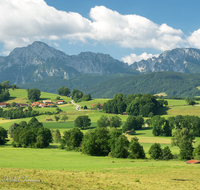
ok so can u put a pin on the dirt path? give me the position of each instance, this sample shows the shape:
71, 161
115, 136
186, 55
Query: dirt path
77, 106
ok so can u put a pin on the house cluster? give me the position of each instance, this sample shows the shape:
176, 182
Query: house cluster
47, 103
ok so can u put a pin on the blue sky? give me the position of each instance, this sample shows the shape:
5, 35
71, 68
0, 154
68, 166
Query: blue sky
128, 30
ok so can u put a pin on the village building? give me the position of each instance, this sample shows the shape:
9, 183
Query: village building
3, 105
60, 102
47, 102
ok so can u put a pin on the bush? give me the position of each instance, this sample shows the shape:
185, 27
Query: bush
166, 153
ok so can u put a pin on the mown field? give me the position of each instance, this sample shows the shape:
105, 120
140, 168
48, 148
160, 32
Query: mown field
53, 168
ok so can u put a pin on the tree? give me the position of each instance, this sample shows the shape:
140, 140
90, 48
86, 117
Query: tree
73, 137
196, 152
96, 142
64, 91
64, 118
12, 128
184, 138
82, 121
136, 150
56, 135
103, 121
34, 94
114, 134
121, 147
166, 153
35, 123
133, 122
3, 136
160, 126
115, 121
155, 151
76, 95
57, 118
13, 104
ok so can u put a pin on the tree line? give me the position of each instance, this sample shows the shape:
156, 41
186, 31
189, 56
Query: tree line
134, 104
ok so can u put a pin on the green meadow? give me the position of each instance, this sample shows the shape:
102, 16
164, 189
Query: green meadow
53, 168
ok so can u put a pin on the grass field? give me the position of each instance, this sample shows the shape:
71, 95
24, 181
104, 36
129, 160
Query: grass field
60, 169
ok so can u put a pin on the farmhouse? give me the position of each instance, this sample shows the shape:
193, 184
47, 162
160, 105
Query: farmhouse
60, 102
193, 162
47, 102
42, 105
129, 132
3, 105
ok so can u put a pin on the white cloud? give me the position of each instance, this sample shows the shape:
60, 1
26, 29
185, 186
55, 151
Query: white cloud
133, 57
25, 21
194, 39
132, 31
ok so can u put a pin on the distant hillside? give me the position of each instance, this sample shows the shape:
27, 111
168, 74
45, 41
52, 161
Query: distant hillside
173, 84
52, 84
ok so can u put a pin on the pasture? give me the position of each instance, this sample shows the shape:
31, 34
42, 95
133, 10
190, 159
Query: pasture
60, 169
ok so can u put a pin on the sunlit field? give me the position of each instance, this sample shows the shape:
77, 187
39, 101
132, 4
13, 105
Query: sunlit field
53, 168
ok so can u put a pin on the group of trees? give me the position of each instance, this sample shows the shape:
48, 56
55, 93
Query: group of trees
32, 135
4, 92
137, 104
78, 96
18, 112
64, 91
164, 127
3, 136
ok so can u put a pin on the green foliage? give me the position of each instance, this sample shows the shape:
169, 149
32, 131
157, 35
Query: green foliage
133, 123
3, 136
114, 134
184, 138
56, 135
160, 126
96, 142
196, 152
82, 121
4, 93
136, 150
32, 135
121, 147
190, 101
12, 128
57, 118
64, 118
34, 94
115, 121
64, 91
76, 95
73, 137
17, 112
166, 153
155, 151
103, 121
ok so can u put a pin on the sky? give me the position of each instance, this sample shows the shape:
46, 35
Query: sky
128, 30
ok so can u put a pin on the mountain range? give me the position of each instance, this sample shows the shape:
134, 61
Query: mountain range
39, 63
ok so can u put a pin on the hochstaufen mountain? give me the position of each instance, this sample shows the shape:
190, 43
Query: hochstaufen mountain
185, 60
38, 61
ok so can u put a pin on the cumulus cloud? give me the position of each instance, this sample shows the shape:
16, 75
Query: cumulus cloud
194, 39
25, 21
133, 57
132, 31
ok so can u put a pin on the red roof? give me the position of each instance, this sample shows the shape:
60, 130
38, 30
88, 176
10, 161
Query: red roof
3, 104
60, 100
193, 162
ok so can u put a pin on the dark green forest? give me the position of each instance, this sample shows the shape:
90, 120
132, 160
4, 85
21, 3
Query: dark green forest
99, 86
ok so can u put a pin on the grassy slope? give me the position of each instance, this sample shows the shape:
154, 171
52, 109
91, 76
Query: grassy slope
78, 168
